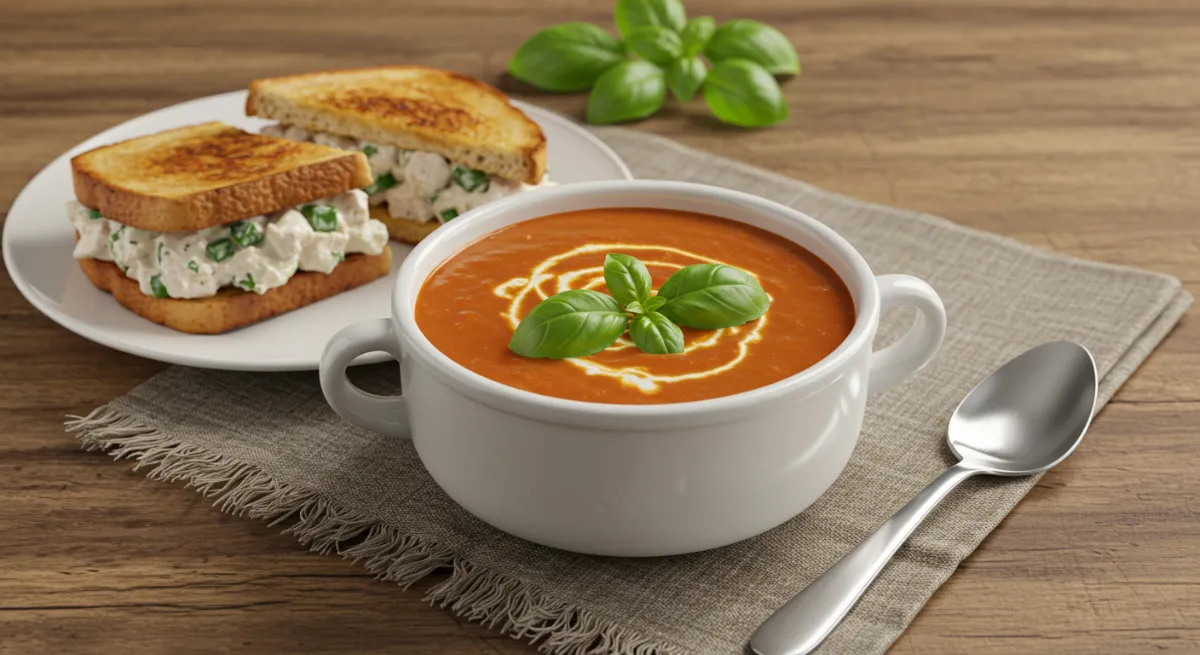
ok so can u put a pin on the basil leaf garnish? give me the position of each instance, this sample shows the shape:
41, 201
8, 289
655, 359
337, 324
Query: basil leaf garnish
654, 303
629, 91
635, 307
655, 43
712, 296
740, 92
626, 278
696, 35
573, 323
565, 58
685, 76
655, 334
756, 42
631, 14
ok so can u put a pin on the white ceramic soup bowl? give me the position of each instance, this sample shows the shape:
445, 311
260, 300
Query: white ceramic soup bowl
633, 480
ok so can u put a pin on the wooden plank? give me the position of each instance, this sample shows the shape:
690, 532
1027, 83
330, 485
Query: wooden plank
1069, 125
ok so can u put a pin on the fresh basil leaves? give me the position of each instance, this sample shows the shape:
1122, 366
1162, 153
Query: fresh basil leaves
627, 279
712, 296
573, 323
740, 92
631, 90
566, 58
583, 322
655, 334
756, 42
669, 52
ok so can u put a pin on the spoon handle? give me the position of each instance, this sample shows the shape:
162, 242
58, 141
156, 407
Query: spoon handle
803, 623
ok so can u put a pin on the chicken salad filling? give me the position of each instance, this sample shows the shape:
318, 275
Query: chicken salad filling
256, 254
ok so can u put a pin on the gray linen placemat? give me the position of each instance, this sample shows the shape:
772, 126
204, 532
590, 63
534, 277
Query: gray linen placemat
267, 446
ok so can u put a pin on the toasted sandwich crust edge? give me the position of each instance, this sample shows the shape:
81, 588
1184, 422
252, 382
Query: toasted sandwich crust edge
533, 157
234, 308
223, 205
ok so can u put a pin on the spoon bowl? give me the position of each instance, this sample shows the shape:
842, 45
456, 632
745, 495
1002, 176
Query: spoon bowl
1029, 414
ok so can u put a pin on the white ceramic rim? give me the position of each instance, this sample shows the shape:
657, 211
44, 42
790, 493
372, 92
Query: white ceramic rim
617, 416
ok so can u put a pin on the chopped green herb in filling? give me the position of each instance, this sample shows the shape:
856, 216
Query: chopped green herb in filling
246, 234
193, 266
220, 250
381, 183
159, 289
116, 236
94, 214
322, 218
449, 214
470, 179
160, 246
248, 283
369, 150
337, 255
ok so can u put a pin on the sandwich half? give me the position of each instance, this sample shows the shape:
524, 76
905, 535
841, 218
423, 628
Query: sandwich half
208, 228
438, 143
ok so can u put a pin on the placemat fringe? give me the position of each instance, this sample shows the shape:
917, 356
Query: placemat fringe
326, 526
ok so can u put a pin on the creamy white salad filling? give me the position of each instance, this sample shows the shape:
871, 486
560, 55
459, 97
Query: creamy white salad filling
256, 254
415, 185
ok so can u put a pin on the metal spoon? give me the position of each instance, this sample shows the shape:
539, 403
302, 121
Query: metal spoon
1024, 418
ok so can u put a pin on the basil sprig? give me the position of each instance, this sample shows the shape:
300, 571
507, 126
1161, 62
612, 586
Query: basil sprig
669, 52
583, 322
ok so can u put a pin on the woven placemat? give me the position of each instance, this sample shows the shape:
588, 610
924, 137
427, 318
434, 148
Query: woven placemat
267, 446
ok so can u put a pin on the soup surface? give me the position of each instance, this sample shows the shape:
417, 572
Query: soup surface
470, 306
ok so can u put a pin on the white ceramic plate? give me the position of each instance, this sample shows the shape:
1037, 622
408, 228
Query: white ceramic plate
38, 240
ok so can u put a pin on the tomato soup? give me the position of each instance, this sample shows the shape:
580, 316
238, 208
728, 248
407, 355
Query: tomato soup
470, 306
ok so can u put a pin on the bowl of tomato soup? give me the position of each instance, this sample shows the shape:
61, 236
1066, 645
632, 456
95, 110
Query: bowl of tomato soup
622, 452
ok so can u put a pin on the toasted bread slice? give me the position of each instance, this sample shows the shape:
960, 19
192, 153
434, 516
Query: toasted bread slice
233, 308
413, 107
403, 229
197, 177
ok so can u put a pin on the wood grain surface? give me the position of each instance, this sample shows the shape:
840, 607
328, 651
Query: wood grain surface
1070, 124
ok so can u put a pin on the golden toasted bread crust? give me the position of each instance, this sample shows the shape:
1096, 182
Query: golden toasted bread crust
413, 107
234, 308
201, 176
403, 229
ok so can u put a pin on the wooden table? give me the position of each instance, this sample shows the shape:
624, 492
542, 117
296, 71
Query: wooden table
1069, 124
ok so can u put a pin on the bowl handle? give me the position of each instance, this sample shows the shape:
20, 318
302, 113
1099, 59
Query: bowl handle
384, 414
913, 350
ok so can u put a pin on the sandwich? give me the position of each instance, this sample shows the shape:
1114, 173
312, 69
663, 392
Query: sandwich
439, 143
208, 228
